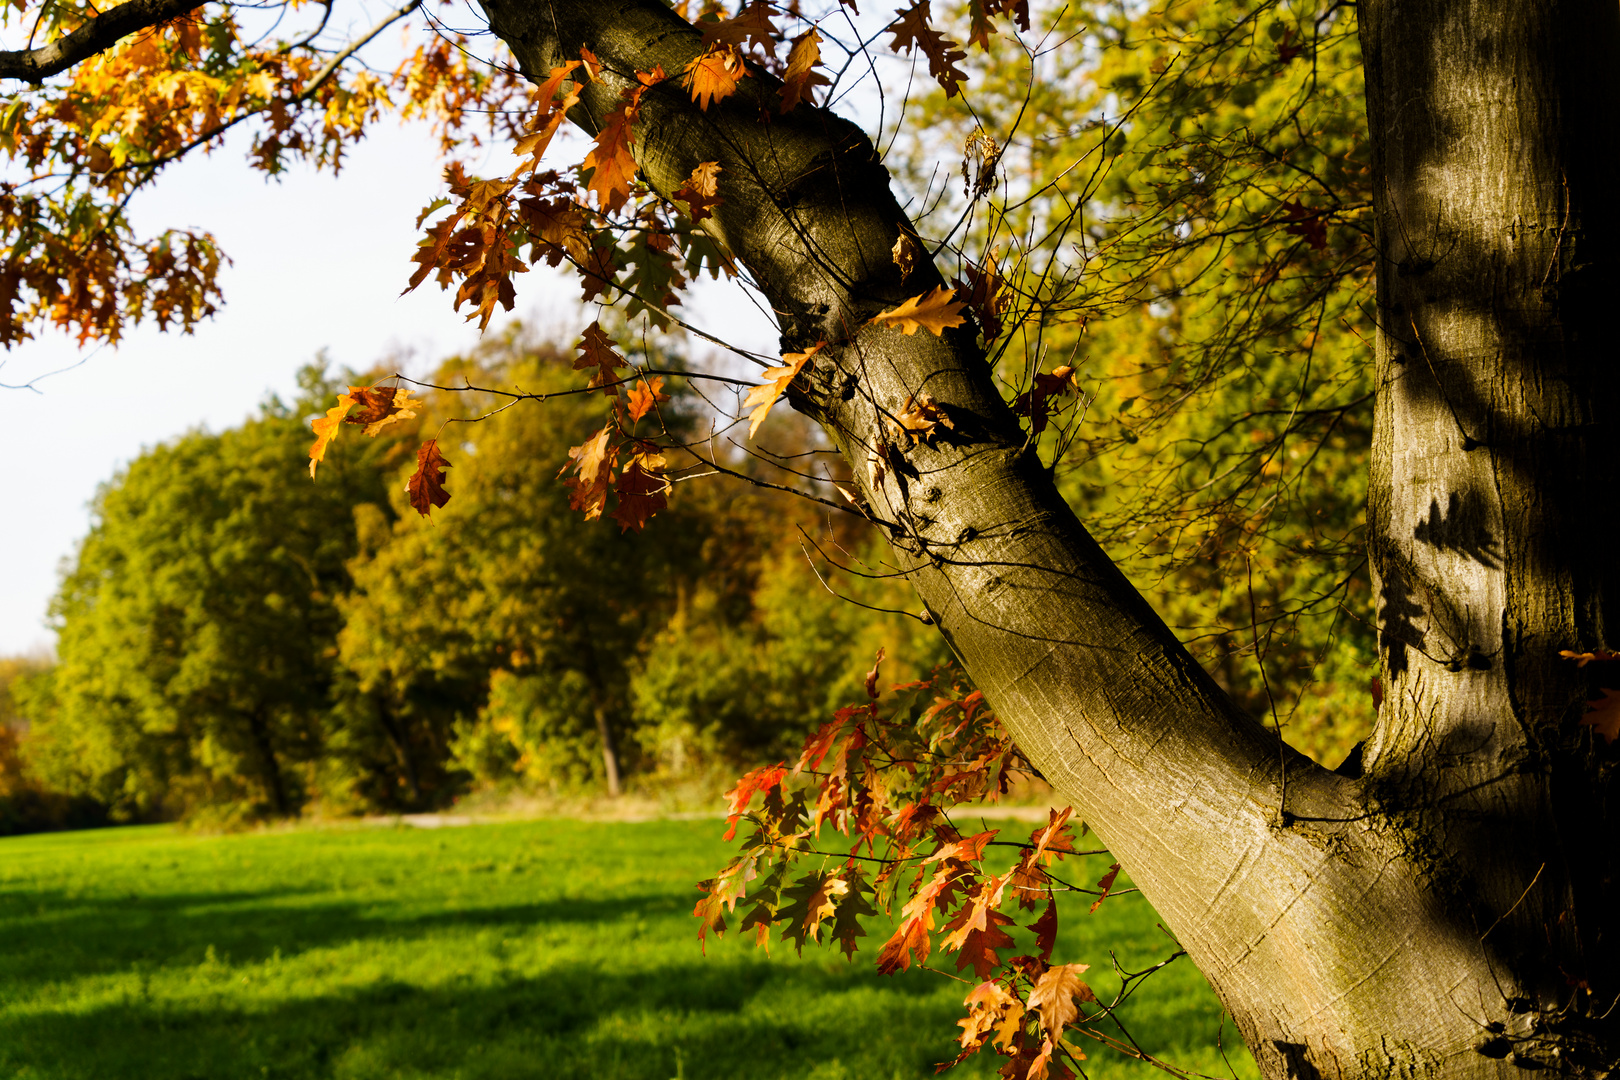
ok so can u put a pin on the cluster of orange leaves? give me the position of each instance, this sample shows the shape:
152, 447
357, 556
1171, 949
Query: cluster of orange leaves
885, 776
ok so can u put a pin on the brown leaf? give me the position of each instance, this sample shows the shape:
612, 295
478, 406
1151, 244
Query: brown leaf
934, 312
920, 419
426, 485
381, 406
993, 1014
1053, 994
593, 462
1105, 886
596, 350
905, 255
643, 490
700, 192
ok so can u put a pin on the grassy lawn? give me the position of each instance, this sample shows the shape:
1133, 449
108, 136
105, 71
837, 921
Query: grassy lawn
536, 949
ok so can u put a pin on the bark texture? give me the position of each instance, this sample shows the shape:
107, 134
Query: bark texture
1354, 926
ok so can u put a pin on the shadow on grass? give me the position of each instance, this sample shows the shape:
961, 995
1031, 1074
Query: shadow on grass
50, 936
723, 1018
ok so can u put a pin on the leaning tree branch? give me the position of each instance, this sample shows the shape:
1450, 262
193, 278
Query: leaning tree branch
100, 33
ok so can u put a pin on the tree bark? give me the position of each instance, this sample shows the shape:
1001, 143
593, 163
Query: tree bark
1353, 926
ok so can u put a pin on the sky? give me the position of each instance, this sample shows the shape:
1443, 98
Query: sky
319, 263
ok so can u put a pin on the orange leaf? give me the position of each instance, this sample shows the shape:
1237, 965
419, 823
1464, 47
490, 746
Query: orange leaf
763, 779
934, 312
752, 24
596, 350
426, 485
644, 395
713, 76
612, 157
801, 77
993, 1013
763, 396
326, 427
700, 192
1603, 715
1105, 886
381, 406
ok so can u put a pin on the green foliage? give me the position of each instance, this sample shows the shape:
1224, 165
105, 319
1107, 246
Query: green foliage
1181, 212
489, 952
198, 622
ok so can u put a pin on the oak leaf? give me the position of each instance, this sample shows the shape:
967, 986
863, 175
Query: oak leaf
761, 781
751, 25
993, 1014
1105, 886
920, 418
763, 396
596, 350
700, 193
644, 395
1052, 996
326, 427
935, 312
426, 485
905, 254
593, 462
1583, 658
643, 489
801, 77
911, 30
613, 157
714, 75
382, 406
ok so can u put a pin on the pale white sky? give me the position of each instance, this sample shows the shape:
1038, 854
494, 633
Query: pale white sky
319, 263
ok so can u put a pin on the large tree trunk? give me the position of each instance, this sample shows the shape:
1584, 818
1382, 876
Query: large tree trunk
1434, 916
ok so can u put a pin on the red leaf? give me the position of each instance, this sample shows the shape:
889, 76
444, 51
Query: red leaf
1603, 715
1105, 886
426, 485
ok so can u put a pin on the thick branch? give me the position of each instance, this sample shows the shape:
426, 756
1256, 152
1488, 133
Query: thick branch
97, 35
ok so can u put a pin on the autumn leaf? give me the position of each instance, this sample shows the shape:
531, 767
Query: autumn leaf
920, 418
1105, 886
1603, 715
912, 31
1033, 402
613, 157
976, 930
809, 903
644, 395
993, 1014
751, 25
643, 489
935, 312
327, 426
700, 192
381, 406
905, 254
763, 396
713, 76
593, 462
761, 781
1583, 658
426, 485
1052, 996
1045, 929
596, 350
801, 77
981, 290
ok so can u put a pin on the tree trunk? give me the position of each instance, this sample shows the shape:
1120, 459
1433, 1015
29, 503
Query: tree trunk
1375, 926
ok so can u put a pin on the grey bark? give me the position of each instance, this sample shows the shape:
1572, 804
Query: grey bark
1425, 918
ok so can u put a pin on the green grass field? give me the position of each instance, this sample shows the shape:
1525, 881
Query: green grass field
537, 949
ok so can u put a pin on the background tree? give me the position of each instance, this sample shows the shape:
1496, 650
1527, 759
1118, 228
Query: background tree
1444, 910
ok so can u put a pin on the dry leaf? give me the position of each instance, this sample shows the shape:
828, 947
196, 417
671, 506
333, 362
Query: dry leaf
801, 77
905, 255
426, 485
326, 427
934, 312
714, 75
596, 350
644, 395
1053, 996
921, 418
701, 191
762, 397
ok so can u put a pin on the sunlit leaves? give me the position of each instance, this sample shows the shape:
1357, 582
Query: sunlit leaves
936, 312
701, 192
596, 351
714, 75
326, 427
912, 30
762, 397
802, 77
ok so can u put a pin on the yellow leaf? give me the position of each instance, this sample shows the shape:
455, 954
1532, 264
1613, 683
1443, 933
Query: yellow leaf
713, 76
934, 312
1053, 994
763, 396
326, 427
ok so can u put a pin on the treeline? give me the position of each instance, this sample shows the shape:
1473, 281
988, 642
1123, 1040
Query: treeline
239, 642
